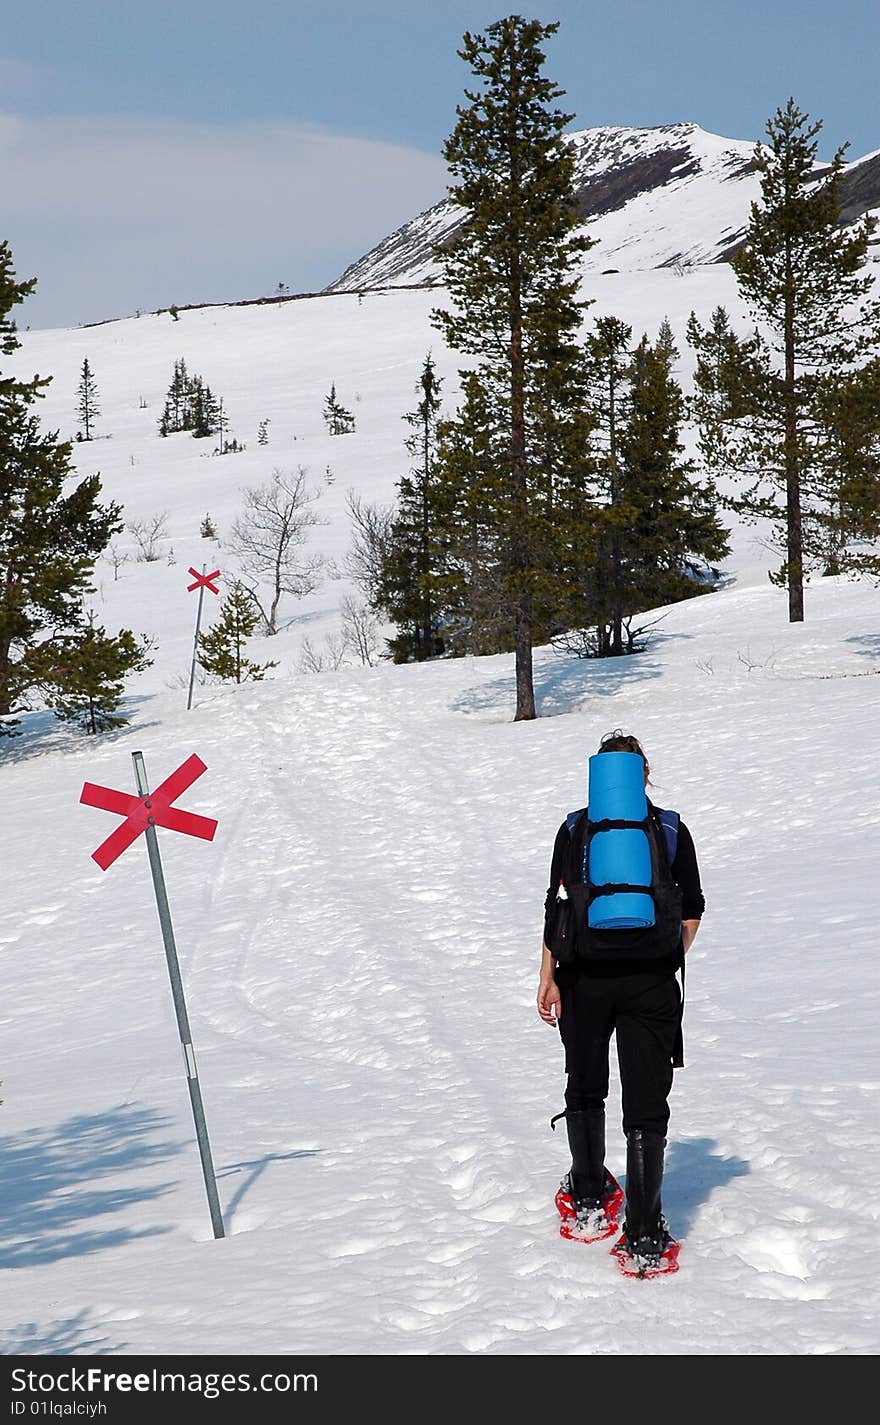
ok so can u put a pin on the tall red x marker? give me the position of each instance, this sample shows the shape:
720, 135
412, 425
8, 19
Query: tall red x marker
154, 810
203, 580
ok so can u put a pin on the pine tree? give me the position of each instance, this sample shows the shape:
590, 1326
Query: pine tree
803, 278
406, 585
511, 274
207, 528
673, 534
14, 394
83, 676
656, 528
175, 414
222, 648
190, 405
87, 404
847, 527
202, 410
466, 553
49, 539
609, 371
338, 420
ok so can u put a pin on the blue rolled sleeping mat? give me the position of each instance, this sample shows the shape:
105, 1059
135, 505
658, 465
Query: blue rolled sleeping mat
619, 856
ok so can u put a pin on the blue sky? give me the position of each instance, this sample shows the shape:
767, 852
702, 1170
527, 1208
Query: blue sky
212, 150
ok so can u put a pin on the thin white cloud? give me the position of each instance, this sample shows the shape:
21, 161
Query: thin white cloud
117, 213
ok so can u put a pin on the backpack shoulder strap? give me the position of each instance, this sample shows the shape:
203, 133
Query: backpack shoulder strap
669, 821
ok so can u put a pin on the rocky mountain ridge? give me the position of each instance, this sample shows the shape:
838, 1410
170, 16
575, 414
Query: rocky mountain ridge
669, 196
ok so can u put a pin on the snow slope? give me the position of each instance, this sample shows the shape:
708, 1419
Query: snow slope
359, 944
277, 362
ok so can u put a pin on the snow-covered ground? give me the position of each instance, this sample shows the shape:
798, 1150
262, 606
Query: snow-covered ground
359, 944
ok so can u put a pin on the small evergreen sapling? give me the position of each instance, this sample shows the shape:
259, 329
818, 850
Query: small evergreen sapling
221, 649
87, 401
84, 675
338, 420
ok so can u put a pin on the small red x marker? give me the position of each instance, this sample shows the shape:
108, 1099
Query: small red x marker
203, 579
154, 810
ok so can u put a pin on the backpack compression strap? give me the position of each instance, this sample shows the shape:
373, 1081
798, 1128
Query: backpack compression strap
668, 820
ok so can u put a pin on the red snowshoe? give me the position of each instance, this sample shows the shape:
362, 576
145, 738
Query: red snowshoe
593, 1224
647, 1262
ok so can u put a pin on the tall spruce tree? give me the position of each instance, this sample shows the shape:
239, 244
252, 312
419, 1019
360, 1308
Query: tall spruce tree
802, 276
601, 585
466, 572
511, 274
50, 537
407, 575
87, 407
658, 531
845, 529
674, 536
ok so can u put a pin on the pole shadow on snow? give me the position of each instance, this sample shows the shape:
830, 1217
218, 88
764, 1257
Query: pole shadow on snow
692, 1172
52, 1201
256, 1170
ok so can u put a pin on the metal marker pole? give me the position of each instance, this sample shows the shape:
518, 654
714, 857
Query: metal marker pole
192, 671
195, 1092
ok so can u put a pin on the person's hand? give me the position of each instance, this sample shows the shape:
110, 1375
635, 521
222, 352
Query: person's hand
549, 1001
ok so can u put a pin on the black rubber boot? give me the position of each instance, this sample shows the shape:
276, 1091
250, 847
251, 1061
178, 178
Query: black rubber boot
586, 1139
645, 1227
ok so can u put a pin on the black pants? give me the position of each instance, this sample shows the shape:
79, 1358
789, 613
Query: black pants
645, 1011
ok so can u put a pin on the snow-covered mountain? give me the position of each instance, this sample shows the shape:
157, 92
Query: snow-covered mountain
669, 196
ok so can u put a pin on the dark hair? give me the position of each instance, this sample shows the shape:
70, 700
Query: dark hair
619, 741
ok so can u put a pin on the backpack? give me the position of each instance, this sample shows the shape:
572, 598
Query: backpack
567, 933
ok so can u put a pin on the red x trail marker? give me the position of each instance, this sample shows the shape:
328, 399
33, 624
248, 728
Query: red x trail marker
203, 580
152, 810
144, 813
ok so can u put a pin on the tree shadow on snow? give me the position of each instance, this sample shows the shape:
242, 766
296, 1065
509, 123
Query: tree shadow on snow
691, 1174
562, 685
52, 1201
42, 732
867, 644
74, 1336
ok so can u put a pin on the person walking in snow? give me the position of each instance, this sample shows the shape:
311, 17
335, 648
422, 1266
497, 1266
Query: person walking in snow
589, 997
